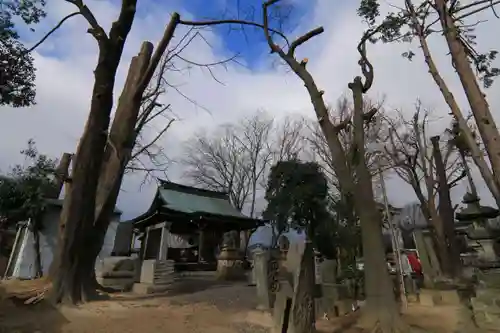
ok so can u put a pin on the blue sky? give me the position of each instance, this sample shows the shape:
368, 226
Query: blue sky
250, 48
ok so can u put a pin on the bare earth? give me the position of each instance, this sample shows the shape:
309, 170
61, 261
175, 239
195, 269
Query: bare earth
197, 306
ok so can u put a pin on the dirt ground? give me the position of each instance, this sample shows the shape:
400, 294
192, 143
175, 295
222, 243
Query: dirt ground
195, 306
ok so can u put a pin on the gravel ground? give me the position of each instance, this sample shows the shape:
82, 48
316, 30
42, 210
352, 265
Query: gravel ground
196, 306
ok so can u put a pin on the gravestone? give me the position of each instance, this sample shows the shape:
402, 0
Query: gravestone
330, 295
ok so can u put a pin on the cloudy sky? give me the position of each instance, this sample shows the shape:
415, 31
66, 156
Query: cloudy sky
65, 63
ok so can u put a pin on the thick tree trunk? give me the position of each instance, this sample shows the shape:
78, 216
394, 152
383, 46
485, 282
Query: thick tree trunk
381, 305
439, 239
302, 311
477, 100
75, 279
123, 133
62, 224
72, 281
476, 153
446, 211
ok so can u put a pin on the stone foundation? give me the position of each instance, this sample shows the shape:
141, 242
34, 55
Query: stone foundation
486, 309
117, 272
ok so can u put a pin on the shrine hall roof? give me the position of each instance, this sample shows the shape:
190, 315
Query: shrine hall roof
193, 200
177, 202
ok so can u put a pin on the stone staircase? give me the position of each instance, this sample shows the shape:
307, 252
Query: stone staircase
157, 276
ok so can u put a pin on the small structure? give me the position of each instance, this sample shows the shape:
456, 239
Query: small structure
482, 242
480, 238
184, 227
22, 259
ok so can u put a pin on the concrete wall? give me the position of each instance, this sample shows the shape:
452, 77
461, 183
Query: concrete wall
24, 266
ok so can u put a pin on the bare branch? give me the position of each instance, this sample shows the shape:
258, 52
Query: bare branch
47, 35
95, 29
303, 39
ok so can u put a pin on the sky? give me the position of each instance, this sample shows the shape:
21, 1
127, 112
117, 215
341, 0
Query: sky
257, 81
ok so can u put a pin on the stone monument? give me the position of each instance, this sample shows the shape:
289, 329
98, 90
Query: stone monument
230, 259
482, 238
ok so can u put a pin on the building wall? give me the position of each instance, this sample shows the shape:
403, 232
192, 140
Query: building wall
25, 264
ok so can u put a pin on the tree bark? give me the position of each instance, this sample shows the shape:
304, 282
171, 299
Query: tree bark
381, 305
477, 100
61, 174
446, 212
73, 281
123, 132
302, 311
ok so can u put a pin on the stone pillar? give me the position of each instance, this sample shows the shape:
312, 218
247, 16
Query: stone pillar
260, 271
423, 254
429, 244
330, 295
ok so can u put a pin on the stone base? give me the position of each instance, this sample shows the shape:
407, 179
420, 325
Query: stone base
230, 265
147, 288
121, 284
486, 309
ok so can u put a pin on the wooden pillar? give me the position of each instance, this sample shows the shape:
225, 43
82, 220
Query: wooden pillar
163, 250
201, 246
144, 243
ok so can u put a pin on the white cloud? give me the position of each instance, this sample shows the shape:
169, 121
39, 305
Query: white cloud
64, 83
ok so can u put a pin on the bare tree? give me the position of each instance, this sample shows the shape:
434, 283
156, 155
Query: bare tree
411, 153
237, 157
420, 22
255, 140
102, 156
218, 162
381, 309
376, 132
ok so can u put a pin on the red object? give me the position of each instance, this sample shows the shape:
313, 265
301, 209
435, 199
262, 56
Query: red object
414, 263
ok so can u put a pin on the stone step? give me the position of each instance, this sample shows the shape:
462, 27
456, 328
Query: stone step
146, 288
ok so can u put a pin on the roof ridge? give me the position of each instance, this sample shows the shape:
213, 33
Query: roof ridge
168, 185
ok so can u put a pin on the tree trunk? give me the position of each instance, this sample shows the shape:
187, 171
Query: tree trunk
73, 280
446, 212
302, 311
61, 175
124, 131
36, 247
62, 225
439, 239
122, 135
477, 100
381, 305
470, 180
476, 153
